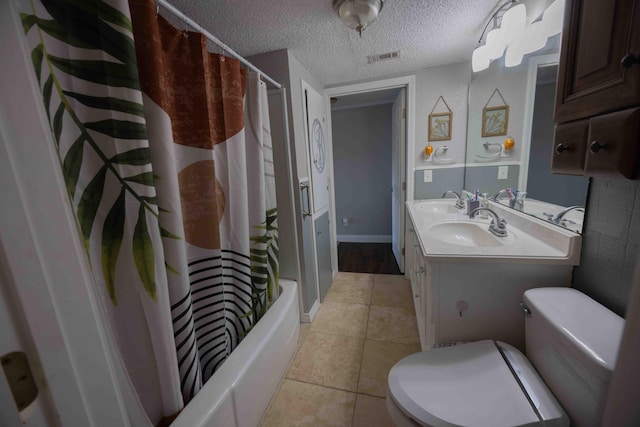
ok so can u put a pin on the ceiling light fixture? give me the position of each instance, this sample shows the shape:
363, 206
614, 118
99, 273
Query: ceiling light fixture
358, 14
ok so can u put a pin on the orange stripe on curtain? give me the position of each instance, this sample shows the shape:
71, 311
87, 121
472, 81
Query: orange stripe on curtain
182, 77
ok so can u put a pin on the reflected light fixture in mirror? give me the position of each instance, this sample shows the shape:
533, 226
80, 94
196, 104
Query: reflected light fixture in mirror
358, 14
535, 36
512, 34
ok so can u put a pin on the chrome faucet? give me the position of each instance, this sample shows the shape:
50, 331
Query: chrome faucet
499, 194
498, 225
459, 202
558, 218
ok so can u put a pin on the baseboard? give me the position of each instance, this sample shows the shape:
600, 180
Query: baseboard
308, 317
357, 238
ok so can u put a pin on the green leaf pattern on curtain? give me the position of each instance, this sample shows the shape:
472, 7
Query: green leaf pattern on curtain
265, 264
124, 185
84, 60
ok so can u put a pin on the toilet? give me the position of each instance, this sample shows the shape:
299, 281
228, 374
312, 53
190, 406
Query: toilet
572, 344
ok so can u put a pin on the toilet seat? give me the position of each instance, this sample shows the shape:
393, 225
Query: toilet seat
472, 385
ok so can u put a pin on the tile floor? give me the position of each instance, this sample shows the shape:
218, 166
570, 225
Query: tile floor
338, 376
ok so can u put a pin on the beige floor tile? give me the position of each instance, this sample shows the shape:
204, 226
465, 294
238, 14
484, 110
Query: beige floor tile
371, 412
300, 404
377, 360
350, 291
392, 324
328, 360
341, 319
344, 275
304, 331
389, 278
392, 294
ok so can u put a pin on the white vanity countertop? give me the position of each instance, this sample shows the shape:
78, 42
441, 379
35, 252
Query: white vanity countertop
529, 240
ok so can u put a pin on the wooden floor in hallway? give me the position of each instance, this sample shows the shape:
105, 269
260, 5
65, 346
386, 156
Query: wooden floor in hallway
374, 258
338, 376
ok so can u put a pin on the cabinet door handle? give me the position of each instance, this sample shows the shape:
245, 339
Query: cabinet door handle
596, 146
561, 148
629, 60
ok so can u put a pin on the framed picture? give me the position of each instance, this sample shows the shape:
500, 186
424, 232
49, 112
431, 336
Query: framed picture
495, 120
440, 126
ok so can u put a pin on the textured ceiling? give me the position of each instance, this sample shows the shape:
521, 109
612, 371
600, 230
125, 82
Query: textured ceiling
427, 33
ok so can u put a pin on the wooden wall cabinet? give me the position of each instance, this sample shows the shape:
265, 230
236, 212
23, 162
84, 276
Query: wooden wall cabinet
597, 121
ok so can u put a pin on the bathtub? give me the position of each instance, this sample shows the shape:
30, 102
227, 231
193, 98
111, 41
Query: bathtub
239, 392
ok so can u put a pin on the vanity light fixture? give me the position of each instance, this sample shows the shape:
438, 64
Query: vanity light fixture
358, 14
535, 36
504, 25
510, 33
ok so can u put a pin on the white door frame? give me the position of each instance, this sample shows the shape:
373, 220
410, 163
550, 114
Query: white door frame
398, 156
529, 103
408, 82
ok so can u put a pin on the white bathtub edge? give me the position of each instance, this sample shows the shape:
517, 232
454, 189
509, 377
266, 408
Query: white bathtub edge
239, 392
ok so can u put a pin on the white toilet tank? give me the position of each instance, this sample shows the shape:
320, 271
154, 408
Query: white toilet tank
573, 343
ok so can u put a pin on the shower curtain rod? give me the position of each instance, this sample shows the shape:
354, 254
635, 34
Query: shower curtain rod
215, 40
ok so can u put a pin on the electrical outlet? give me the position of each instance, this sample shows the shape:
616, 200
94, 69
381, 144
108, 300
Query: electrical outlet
345, 221
503, 172
428, 175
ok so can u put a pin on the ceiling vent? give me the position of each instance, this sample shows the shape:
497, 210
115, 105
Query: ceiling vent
383, 57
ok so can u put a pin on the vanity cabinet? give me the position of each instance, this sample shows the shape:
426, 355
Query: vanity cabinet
598, 92
471, 301
460, 300
604, 145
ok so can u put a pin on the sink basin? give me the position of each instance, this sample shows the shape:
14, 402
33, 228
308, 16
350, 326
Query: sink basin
464, 234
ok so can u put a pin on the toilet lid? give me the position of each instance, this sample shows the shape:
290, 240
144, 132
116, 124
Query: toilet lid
461, 385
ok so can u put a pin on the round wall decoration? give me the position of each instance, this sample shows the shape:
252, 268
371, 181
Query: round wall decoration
317, 144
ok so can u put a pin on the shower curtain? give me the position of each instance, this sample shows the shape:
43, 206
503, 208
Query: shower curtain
165, 150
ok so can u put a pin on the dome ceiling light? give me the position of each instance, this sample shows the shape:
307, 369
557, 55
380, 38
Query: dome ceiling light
358, 14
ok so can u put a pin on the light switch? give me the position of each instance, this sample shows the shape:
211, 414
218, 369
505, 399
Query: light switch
503, 172
428, 175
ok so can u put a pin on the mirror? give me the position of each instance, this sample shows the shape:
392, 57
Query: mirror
513, 109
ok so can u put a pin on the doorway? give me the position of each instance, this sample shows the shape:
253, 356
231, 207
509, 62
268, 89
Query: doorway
371, 132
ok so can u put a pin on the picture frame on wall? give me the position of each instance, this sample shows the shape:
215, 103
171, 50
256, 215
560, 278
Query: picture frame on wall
495, 120
440, 126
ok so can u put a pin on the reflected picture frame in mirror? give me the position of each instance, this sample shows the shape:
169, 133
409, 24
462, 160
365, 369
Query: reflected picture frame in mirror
528, 171
495, 120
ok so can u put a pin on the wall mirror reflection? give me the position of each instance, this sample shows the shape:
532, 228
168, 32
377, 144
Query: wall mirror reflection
520, 159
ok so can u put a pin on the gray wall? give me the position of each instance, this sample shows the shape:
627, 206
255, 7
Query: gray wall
563, 190
362, 170
610, 243
488, 176
442, 180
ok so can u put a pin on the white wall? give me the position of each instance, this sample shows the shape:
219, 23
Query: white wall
512, 85
452, 83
